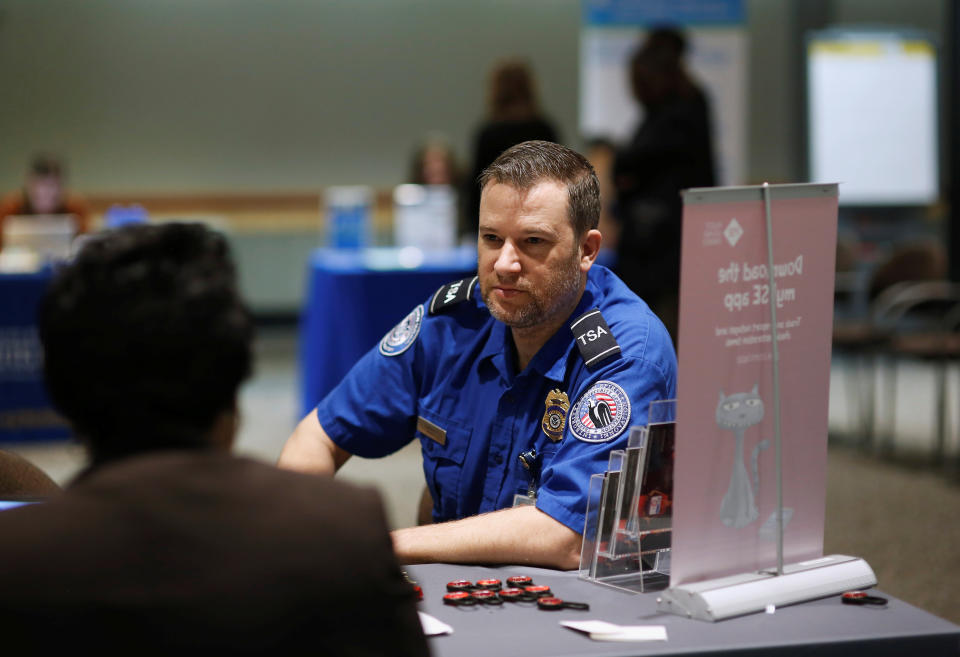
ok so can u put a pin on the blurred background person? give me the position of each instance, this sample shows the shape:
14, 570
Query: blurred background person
601, 154
671, 150
427, 212
513, 116
434, 163
44, 193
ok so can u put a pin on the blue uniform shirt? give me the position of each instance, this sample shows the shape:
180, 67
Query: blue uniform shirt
450, 380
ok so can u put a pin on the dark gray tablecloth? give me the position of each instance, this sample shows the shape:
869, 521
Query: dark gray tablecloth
820, 627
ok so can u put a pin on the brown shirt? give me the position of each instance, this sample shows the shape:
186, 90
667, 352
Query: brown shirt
186, 550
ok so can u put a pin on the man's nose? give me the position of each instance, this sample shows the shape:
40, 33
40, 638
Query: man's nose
508, 260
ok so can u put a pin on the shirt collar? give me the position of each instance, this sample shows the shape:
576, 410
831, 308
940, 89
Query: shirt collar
551, 360
498, 347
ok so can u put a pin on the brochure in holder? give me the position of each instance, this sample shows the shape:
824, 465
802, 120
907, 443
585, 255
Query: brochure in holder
599, 558
627, 530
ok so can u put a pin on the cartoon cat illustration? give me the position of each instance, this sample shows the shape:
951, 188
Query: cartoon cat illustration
736, 413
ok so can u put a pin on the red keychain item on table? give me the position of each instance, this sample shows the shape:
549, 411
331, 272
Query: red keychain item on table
412, 582
487, 597
513, 594
489, 584
459, 598
555, 604
861, 598
460, 585
520, 581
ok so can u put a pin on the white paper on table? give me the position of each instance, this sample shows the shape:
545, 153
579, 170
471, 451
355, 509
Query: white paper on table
604, 631
433, 626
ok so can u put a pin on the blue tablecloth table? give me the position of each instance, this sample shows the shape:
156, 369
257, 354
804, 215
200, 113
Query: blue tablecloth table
25, 410
355, 297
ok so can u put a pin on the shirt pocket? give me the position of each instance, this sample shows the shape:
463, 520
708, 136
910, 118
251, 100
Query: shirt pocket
443, 464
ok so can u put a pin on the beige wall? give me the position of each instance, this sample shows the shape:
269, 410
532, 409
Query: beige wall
240, 94
187, 95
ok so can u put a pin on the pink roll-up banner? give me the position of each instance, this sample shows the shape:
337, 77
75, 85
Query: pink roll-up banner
725, 489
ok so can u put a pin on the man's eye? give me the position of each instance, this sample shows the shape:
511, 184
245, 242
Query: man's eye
534, 240
490, 238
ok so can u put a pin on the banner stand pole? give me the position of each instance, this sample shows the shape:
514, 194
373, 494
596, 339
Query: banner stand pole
772, 285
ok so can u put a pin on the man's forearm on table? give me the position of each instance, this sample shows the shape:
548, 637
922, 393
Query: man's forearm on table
522, 535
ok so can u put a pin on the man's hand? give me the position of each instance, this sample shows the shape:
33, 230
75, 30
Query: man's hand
521, 535
309, 449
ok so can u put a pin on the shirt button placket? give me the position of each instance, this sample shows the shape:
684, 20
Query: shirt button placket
499, 444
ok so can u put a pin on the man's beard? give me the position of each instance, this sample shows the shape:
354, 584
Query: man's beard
543, 303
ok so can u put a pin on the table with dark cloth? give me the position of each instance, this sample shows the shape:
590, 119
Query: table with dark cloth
823, 627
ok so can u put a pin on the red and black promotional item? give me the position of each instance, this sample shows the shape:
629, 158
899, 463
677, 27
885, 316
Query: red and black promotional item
460, 585
487, 597
556, 604
519, 581
489, 584
459, 599
513, 594
412, 582
861, 598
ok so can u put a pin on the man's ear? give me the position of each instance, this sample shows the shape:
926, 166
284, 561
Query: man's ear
589, 248
224, 429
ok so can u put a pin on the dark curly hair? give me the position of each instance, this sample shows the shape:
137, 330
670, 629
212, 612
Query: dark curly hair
145, 338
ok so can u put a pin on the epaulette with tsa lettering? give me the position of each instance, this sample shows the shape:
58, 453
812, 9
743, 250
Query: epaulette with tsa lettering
451, 294
594, 339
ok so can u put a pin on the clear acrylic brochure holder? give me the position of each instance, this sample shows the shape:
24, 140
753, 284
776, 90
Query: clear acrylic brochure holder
626, 539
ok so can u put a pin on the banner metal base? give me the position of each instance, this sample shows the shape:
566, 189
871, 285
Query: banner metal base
747, 593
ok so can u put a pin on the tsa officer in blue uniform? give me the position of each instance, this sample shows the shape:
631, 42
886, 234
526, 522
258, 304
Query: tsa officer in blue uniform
518, 382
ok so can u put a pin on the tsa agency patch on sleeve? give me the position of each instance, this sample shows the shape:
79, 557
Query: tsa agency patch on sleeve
601, 414
404, 334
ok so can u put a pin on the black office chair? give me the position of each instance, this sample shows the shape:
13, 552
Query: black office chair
925, 326
865, 338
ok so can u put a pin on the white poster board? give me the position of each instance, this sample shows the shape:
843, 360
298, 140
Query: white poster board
717, 58
872, 108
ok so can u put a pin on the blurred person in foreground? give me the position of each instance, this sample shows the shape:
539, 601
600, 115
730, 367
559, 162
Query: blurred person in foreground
44, 193
671, 150
513, 116
517, 382
167, 542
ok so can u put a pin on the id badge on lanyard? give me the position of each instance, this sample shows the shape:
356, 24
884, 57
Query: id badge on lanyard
530, 461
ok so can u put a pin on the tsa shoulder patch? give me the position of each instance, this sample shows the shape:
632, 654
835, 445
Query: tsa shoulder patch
404, 334
601, 414
451, 294
593, 337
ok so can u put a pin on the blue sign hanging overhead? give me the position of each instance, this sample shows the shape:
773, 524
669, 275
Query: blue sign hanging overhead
716, 57
660, 12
